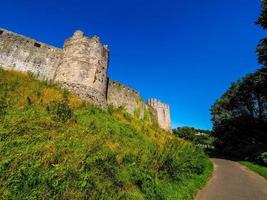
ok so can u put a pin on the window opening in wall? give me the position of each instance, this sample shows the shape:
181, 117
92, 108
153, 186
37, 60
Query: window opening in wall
1, 32
37, 44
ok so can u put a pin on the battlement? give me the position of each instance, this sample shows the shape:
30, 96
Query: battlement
81, 37
80, 66
158, 103
123, 87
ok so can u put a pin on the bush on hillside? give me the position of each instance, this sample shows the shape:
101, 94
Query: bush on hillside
60, 111
262, 158
3, 106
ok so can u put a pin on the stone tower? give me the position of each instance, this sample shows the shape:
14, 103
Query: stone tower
83, 68
163, 113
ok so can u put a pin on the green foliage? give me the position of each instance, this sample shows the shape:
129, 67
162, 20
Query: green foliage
150, 116
262, 52
98, 155
261, 170
262, 20
3, 106
199, 137
262, 46
137, 112
262, 158
186, 133
31, 75
240, 117
60, 111
66, 94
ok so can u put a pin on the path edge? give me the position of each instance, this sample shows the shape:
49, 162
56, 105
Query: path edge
207, 182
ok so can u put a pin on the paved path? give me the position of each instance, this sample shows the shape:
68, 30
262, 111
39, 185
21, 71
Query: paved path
231, 181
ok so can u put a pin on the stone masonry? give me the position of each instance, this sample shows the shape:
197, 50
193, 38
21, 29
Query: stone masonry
81, 66
120, 95
162, 112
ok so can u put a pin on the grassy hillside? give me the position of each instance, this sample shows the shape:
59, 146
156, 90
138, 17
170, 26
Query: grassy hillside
261, 170
55, 146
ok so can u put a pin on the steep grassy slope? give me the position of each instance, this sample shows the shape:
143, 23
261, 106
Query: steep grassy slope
55, 146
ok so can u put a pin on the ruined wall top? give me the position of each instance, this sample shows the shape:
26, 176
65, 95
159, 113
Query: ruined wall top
123, 87
35, 43
80, 36
25, 54
158, 103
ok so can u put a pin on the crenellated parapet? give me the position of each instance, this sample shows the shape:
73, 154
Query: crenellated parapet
163, 113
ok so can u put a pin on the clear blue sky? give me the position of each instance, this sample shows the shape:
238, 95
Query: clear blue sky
184, 52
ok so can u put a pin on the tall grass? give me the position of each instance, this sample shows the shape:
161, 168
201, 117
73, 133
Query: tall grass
56, 146
261, 170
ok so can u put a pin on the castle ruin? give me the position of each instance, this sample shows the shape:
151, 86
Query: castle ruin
81, 66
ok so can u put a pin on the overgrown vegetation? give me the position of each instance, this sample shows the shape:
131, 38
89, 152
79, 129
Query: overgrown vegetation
261, 170
55, 146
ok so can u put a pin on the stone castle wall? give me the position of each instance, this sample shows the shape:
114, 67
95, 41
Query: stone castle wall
81, 66
163, 113
123, 96
24, 54
120, 95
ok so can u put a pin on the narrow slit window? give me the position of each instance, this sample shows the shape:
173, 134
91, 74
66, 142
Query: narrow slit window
37, 44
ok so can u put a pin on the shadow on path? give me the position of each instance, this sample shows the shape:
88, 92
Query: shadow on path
231, 181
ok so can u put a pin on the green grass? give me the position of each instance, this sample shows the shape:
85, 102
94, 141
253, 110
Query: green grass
261, 170
56, 146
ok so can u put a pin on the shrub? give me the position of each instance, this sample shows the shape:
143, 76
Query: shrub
65, 94
31, 75
3, 106
60, 111
262, 158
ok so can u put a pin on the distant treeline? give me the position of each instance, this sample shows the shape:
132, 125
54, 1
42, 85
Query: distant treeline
191, 129
197, 136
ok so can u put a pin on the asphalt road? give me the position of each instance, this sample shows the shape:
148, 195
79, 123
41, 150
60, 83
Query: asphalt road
231, 181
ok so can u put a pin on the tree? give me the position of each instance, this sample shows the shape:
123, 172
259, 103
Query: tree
197, 136
240, 117
262, 46
262, 20
186, 133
